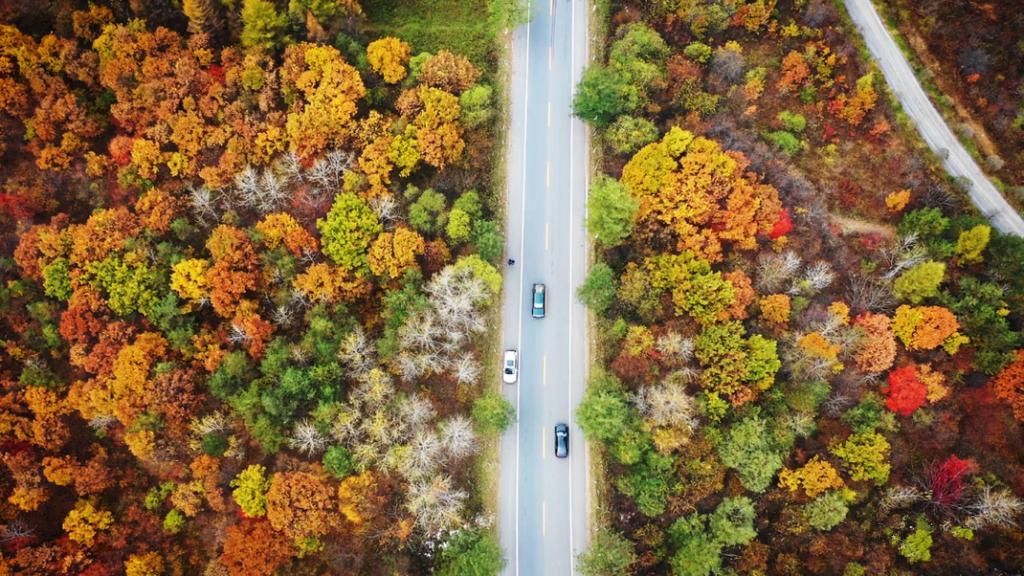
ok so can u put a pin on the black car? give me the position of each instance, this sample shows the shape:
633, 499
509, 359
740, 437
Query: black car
561, 440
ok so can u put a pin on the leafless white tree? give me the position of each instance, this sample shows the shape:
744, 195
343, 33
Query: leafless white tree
466, 368
866, 293
237, 335
775, 270
458, 437
435, 504
357, 353
667, 404
994, 509
415, 412
386, 208
900, 497
15, 530
424, 455
306, 438
903, 254
203, 204
674, 347
102, 422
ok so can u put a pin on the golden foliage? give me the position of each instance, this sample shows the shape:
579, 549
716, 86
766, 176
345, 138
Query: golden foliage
387, 56
689, 187
86, 521
815, 477
394, 252
775, 308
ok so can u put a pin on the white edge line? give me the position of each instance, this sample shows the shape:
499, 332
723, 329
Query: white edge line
572, 192
522, 247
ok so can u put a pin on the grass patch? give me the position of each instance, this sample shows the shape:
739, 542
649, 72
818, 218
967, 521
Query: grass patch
461, 26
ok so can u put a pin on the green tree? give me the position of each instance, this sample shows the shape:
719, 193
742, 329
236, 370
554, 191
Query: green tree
347, 231
469, 202
649, 483
427, 213
262, 25
174, 521
604, 410
748, 449
920, 282
610, 211
471, 552
917, 547
57, 279
492, 413
250, 490
610, 554
698, 52
865, 455
603, 94
488, 240
483, 270
458, 227
598, 291
926, 223
732, 522
337, 461
477, 105
627, 134
826, 511
972, 243
980, 308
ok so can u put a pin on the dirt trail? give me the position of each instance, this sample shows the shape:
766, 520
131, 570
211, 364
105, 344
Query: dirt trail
848, 225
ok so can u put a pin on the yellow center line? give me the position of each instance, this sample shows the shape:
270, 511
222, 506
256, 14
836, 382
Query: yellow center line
549, 114
547, 235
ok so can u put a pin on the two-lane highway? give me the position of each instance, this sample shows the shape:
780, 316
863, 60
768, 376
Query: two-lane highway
544, 504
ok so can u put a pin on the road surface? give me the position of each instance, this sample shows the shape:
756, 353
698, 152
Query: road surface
929, 122
543, 501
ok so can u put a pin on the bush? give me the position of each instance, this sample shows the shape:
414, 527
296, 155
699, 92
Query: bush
786, 142
492, 413
698, 52
792, 122
610, 554
627, 134
337, 461
826, 511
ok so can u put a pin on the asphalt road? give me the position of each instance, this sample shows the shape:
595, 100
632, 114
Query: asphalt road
543, 501
929, 122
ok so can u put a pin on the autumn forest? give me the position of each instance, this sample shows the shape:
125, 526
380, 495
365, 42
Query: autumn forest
251, 261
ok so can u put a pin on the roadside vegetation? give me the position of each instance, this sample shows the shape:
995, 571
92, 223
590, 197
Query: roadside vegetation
248, 254
809, 346
973, 51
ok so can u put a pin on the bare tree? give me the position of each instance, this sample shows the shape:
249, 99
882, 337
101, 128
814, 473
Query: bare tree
466, 368
903, 254
668, 404
994, 509
386, 208
866, 293
675, 348
306, 438
424, 455
775, 270
357, 352
203, 204
15, 530
900, 497
415, 412
435, 504
458, 437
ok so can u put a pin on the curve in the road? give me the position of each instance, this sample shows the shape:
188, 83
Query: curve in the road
930, 124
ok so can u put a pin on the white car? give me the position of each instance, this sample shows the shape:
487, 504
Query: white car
510, 368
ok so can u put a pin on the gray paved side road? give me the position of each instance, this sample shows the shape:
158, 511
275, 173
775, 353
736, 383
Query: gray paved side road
543, 501
930, 123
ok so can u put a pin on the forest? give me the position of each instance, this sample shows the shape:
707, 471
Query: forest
974, 53
247, 267
808, 342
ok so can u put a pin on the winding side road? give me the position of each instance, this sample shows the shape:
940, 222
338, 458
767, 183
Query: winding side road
929, 122
543, 501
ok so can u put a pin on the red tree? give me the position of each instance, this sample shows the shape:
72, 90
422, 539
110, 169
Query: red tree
948, 480
905, 392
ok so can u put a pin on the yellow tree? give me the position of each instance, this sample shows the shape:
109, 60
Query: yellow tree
387, 56
301, 504
438, 132
324, 91
394, 252
690, 190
